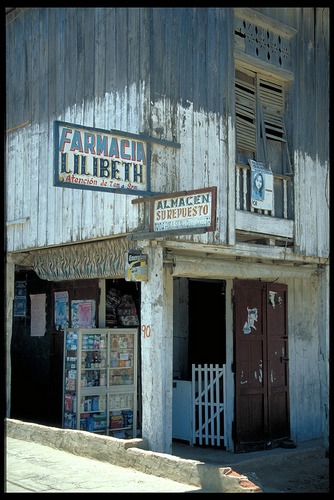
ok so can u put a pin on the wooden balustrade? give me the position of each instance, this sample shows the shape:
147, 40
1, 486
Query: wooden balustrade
243, 198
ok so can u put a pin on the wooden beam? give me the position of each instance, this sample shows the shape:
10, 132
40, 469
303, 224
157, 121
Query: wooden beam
152, 235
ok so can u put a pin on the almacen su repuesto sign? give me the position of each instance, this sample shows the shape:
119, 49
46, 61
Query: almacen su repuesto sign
184, 210
89, 158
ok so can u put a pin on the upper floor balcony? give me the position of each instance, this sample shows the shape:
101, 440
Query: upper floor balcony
266, 227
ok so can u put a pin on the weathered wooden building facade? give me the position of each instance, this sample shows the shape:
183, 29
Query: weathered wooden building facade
117, 119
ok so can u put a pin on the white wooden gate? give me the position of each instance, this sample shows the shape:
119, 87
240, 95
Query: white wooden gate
208, 398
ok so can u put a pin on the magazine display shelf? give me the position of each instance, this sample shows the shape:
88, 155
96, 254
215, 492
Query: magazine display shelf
100, 380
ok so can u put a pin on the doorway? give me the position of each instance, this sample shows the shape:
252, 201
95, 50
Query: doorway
37, 362
30, 355
199, 339
207, 331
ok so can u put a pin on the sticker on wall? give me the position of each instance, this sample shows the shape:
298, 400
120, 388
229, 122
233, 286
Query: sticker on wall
251, 318
274, 299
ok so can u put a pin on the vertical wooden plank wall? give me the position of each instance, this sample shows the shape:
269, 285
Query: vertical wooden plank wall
167, 73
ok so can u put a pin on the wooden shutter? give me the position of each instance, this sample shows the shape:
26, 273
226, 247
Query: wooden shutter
245, 97
260, 104
271, 96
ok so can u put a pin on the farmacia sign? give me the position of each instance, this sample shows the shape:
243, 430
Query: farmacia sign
89, 158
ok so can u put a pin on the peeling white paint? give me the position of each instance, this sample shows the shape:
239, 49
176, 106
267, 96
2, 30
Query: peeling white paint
275, 299
241, 377
252, 316
193, 166
312, 237
272, 376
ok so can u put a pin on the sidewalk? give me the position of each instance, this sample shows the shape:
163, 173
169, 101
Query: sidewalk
199, 469
131, 454
34, 468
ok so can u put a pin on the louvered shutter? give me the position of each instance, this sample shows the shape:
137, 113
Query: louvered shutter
245, 96
272, 105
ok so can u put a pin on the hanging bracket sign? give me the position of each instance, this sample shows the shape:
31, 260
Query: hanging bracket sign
136, 266
184, 210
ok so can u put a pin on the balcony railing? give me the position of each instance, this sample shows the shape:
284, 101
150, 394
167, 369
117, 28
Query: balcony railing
281, 193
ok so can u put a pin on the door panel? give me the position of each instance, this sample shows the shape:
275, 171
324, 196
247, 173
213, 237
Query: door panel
278, 365
250, 358
261, 366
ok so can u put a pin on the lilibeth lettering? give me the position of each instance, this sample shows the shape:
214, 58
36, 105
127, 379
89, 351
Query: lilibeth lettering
101, 168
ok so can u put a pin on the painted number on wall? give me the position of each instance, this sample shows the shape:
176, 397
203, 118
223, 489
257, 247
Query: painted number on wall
146, 329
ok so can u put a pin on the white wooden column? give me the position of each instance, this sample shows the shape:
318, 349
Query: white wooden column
157, 351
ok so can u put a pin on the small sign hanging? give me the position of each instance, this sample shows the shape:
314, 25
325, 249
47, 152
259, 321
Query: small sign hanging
136, 266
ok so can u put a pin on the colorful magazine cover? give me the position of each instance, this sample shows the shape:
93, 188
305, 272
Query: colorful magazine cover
61, 310
83, 313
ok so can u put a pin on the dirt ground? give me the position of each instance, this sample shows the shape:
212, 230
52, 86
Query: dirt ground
301, 469
307, 473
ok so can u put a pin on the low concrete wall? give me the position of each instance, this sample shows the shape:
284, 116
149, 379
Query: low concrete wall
133, 453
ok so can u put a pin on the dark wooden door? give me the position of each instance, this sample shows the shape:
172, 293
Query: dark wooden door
261, 365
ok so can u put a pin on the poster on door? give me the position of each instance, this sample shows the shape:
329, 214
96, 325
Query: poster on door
83, 313
38, 315
20, 299
262, 184
61, 311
